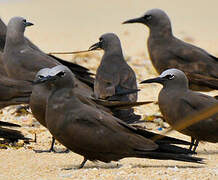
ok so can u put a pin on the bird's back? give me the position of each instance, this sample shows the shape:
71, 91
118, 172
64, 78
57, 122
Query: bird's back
199, 66
115, 72
90, 132
177, 105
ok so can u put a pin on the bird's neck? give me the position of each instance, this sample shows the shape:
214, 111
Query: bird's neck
113, 52
164, 33
116, 49
64, 94
175, 88
14, 38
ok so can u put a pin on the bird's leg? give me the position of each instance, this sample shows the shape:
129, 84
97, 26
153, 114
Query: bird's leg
195, 145
52, 148
192, 143
52, 145
83, 163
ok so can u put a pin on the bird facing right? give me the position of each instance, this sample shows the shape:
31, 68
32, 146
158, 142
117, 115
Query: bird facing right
166, 51
177, 101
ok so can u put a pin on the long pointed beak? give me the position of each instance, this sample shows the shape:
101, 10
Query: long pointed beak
153, 80
28, 24
135, 20
44, 79
95, 46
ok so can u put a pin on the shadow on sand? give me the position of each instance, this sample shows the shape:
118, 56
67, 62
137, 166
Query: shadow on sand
117, 166
210, 152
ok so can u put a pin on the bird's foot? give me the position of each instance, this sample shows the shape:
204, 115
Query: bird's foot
42, 151
66, 169
80, 166
83, 163
51, 150
60, 152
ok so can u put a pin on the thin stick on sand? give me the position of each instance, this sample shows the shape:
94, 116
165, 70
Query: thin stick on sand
192, 119
72, 52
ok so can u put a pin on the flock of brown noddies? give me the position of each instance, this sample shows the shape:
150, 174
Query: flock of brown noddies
92, 115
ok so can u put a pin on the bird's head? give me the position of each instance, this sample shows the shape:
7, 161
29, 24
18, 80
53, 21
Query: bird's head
154, 19
18, 24
108, 41
170, 78
59, 76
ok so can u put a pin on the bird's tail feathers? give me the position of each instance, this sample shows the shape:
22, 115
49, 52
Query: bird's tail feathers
171, 156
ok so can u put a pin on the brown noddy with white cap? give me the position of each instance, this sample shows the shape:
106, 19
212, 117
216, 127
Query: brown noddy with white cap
176, 101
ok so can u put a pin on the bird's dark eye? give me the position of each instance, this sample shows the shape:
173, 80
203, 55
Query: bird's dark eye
147, 17
61, 74
40, 76
169, 76
24, 21
101, 42
101, 39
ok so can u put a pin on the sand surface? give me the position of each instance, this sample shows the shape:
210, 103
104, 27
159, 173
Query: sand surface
75, 25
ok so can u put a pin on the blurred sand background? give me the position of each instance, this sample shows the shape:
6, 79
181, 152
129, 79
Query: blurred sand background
71, 25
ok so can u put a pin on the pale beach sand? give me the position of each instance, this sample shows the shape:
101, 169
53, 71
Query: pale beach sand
70, 25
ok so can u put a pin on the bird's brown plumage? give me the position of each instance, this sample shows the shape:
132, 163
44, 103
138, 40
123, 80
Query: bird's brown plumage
166, 51
114, 77
92, 132
177, 101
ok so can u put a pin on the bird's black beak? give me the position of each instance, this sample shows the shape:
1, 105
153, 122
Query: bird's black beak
135, 20
28, 24
44, 79
154, 80
96, 46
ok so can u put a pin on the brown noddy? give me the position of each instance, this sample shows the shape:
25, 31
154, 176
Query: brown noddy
176, 101
28, 59
22, 60
81, 72
166, 51
12, 92
96, 134
3, 31
115, 79
38, 101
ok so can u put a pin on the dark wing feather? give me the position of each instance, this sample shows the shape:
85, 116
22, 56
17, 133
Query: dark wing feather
80, 72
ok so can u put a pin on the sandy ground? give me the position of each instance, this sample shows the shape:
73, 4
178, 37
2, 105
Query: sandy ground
75, 25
